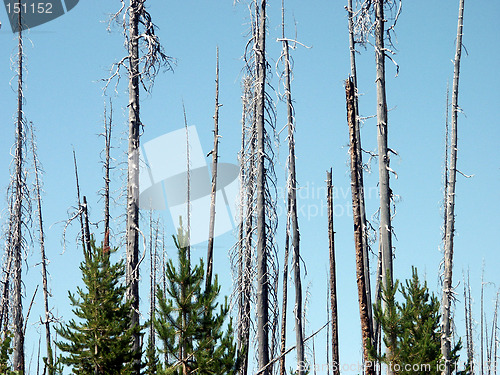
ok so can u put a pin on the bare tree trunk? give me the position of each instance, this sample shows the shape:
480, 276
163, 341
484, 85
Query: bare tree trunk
383, 156
450, 208
262, 273
333, 277
107, 168
469, 328
80, 208
153, 254
215, 154
293, 228
245, 230
358, 227
50, 363
482, 321
357, 131
132, 274
187, 243
282, 369
17, 238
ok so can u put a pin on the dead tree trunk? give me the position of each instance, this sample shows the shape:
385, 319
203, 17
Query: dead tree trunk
262, 250
18, 191
359, 175
358, 227
450, 208
215, 154
293, 227
383, 156
132, 234
246, 225
333, 277
47, 321
282, 369
107, 168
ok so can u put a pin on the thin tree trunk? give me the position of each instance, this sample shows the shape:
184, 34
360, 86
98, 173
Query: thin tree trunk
18, 361
328, 327
262, 250
293, 229
383, 158
471, 349
282, 369
333, 277
362, 210
107, 168
132, 234
450, 210
482, 322
358, 227
215, 154
187, 243
245, 240
50, 363
80, 207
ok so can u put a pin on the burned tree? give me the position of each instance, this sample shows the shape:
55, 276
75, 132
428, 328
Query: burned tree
447, 296
48, 316
292, 226
145, 58
333, 277
366, 325
215, 153
19, 197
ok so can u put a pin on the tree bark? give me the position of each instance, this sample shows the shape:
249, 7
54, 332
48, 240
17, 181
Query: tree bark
132, 234
262, 255
50, 363
293, 229
359, 175
383, 156
215, 153
18, 361
107, 168
333, 277
246, 220
358, 227
450, 208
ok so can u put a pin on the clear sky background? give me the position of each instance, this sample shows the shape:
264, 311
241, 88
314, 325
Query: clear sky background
67, 57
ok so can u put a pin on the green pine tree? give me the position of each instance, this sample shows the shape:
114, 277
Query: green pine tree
99, 342
190, 324
413, 327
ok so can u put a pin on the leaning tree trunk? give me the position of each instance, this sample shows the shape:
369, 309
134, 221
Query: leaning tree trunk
215, 153
383, 158
17, 237
262, 274
132, 234
450, 208
333, 277
358, 227
359, 175
293, 228
46, 322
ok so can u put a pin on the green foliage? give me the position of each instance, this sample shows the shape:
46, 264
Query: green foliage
100, 341
5, 351
193, 332
412, 328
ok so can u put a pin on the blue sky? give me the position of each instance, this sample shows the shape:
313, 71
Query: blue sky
67, 57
